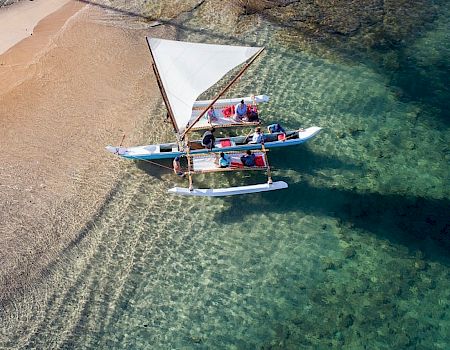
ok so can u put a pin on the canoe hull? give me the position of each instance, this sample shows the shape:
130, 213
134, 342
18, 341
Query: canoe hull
151, 152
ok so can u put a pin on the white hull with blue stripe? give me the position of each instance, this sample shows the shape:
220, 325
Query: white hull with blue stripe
170, 150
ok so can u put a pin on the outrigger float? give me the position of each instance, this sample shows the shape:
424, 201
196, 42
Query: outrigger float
184, 71
207, 163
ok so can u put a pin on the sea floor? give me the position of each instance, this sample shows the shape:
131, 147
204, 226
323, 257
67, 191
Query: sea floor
354, 254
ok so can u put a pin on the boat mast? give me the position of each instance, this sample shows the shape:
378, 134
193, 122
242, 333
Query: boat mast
163, 91
222, 92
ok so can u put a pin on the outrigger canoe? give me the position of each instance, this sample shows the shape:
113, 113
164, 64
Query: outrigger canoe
184, 71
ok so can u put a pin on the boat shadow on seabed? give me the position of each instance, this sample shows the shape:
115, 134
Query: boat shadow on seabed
156, 168
415, 222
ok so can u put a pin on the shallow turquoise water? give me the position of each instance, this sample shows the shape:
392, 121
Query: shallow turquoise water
354, 254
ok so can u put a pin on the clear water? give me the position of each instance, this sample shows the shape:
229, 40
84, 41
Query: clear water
351, 255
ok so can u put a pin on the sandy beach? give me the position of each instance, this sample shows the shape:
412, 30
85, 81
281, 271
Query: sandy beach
62, 93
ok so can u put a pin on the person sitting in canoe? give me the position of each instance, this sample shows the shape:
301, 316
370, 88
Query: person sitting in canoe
257, 137
273, 128
224, 160
252, 114
240, 111
277, 129
248, 159
177, 167
212, 115
208, 139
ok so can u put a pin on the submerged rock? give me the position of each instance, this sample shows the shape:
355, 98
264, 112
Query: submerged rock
196, 339
420, 265
341, 134
329, 264
349, 253
410, 145
368, 23
345, 320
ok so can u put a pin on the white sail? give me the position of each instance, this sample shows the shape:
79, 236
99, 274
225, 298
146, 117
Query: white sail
188, 69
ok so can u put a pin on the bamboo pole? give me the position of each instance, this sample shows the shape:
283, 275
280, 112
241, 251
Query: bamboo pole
223, 91
269, 173
224, 170
191, 186
222, 126
295, 134
121, 142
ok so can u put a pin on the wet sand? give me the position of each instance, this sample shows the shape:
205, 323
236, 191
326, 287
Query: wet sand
62, 96
19, 20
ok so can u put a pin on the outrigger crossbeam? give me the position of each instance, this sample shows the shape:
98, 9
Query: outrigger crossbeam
208, 163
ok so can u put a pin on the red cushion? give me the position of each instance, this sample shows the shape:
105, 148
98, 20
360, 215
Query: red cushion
237, 165
225, 143
281, 137
228, 111
259, 161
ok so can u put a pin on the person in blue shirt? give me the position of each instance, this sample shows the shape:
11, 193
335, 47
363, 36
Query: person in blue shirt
248, 159
273, 128
224, 160
240, 111
257, 137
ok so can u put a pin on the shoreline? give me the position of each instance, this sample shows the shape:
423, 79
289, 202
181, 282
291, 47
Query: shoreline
20, 19
61, 105
17, 61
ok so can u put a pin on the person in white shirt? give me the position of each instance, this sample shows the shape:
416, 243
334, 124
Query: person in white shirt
257, 137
